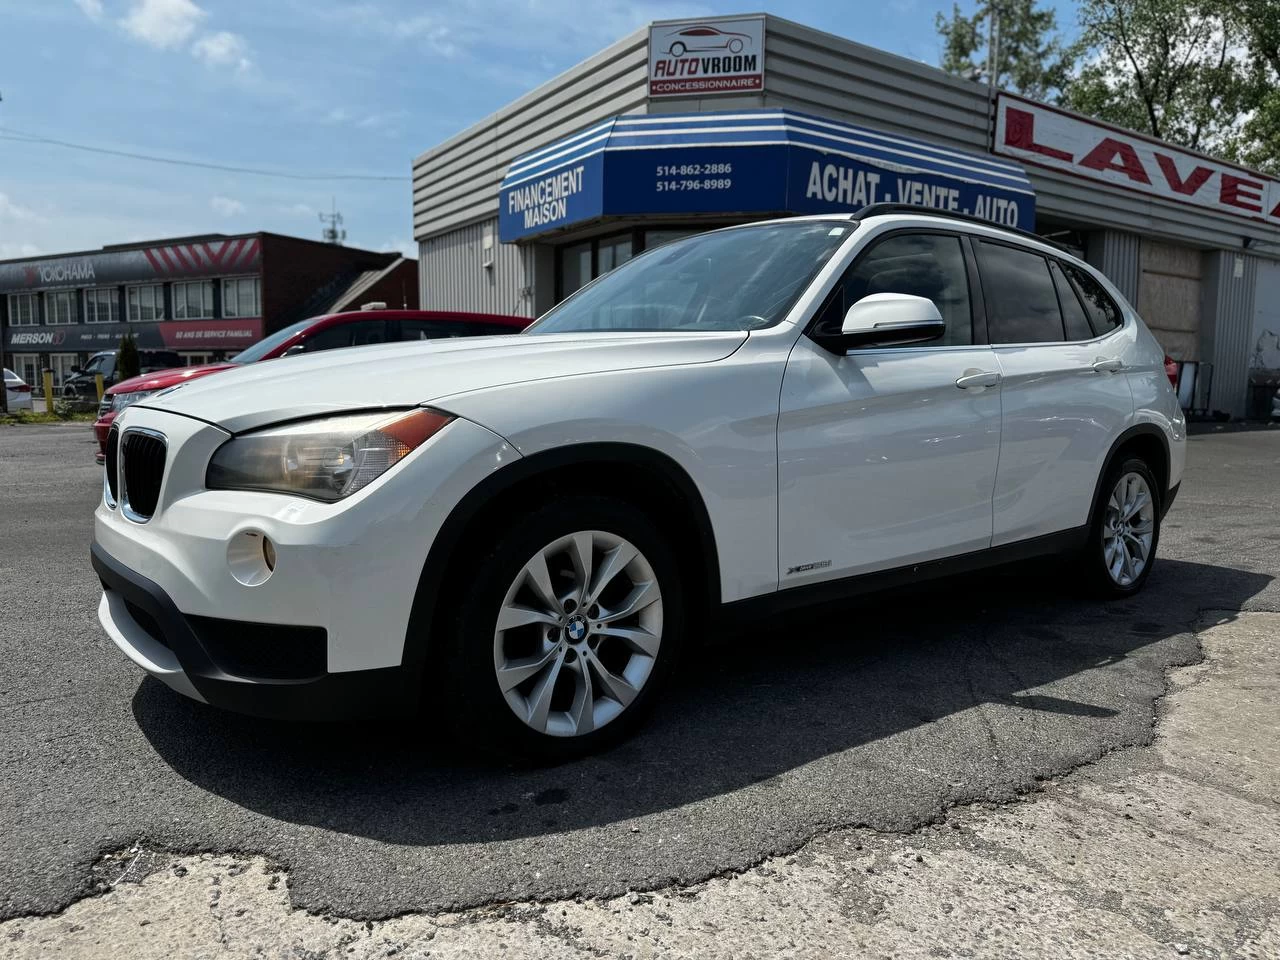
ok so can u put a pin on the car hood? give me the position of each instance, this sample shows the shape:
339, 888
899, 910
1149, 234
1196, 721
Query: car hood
407, 374
160, 379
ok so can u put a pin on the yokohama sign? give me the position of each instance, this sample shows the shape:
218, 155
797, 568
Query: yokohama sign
171, 261
1047, 137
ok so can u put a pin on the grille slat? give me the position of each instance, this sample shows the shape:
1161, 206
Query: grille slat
111, 465
143, 456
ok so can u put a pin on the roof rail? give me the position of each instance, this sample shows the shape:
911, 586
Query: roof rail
880, 209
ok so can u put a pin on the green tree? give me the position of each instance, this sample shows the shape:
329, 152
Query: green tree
127, 359
1032, 58
1258, 143
1175, 69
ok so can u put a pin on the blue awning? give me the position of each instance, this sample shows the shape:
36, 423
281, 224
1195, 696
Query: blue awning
752, 162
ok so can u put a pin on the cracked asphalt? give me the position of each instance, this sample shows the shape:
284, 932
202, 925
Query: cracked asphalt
878, 715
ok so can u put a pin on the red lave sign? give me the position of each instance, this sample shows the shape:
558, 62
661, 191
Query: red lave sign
1047, 137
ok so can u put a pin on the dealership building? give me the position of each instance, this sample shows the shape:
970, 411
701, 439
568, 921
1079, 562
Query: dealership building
204, 297
687, 125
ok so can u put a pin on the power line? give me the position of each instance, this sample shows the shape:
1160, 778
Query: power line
19, 136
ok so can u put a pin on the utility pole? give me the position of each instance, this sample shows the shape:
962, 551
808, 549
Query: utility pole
993, 65
333, 231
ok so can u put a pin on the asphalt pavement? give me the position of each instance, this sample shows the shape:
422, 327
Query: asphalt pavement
880, 714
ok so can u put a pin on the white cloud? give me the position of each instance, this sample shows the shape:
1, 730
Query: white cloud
223, 49
16, 213
226, 206
92, 8
438, 36
163, 23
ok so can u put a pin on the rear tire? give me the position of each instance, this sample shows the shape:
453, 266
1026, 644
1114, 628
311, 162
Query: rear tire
1125, 533
566, 634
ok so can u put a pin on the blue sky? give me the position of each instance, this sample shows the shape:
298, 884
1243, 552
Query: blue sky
303, 86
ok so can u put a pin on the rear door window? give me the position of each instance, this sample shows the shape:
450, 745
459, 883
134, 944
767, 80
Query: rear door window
1073, 315
1022, 305
1104, 313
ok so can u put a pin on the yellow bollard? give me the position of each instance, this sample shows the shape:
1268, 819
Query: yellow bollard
97, 382
48, 391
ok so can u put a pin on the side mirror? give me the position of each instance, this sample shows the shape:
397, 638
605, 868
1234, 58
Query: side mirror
891, 320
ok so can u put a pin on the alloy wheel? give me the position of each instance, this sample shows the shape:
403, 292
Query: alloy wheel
578, 633
1128, 529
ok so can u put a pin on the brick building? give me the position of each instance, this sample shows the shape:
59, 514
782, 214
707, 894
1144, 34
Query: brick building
205, 297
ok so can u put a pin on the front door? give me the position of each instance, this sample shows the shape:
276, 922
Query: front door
883, 458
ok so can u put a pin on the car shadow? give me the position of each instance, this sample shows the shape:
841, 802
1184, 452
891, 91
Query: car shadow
748, 707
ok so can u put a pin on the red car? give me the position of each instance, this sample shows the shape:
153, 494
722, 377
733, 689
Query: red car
327, 332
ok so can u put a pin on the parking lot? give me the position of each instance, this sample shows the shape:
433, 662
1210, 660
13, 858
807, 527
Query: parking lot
842, 734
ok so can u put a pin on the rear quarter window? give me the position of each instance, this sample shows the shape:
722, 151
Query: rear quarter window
1104, 313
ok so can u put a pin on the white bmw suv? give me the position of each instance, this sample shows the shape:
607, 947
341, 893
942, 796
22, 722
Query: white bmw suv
523, 530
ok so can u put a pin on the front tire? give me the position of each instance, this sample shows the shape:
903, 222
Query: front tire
1125, 533
568, 631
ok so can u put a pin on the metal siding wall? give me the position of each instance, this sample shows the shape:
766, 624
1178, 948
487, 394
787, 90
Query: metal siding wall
1116, 254
452, 275
1227, 327
457, 182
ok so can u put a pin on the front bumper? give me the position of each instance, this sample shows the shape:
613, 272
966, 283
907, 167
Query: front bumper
342, 585
205, 658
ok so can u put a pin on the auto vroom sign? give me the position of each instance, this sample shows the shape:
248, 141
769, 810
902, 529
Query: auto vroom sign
702, 57
1047, 137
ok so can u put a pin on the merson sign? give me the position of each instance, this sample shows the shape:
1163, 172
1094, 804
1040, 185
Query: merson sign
1046, 137
695, 58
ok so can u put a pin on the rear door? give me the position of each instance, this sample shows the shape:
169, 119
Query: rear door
888, 456
1064, 395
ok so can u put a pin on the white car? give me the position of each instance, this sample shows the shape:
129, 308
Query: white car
524, 531
17, 392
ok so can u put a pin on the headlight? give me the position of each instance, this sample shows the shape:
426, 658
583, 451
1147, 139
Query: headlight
325, 459
121, 400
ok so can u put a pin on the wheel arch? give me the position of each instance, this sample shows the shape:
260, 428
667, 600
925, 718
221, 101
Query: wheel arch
1146, 441
637, 473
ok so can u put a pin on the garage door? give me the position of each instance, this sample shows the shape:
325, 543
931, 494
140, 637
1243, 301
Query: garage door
1264, 342
1169, 297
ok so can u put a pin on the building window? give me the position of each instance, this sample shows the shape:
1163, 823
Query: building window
581, 263
241, 298
24, 310
61, 364
27, 366
60, 306
193, 300
101, 305
146, 303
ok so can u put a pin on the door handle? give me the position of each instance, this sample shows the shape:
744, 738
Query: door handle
974, 377
1108, 365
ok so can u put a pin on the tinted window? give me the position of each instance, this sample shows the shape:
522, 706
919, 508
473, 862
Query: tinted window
431, 329
328, 339
1022, 306
368, 331
1103, 311
924, 265
1073, 315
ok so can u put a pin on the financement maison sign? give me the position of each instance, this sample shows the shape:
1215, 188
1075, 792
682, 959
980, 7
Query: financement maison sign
1048, 137
696, 58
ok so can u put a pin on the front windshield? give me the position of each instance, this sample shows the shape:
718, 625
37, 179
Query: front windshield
263, 347
745, 278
